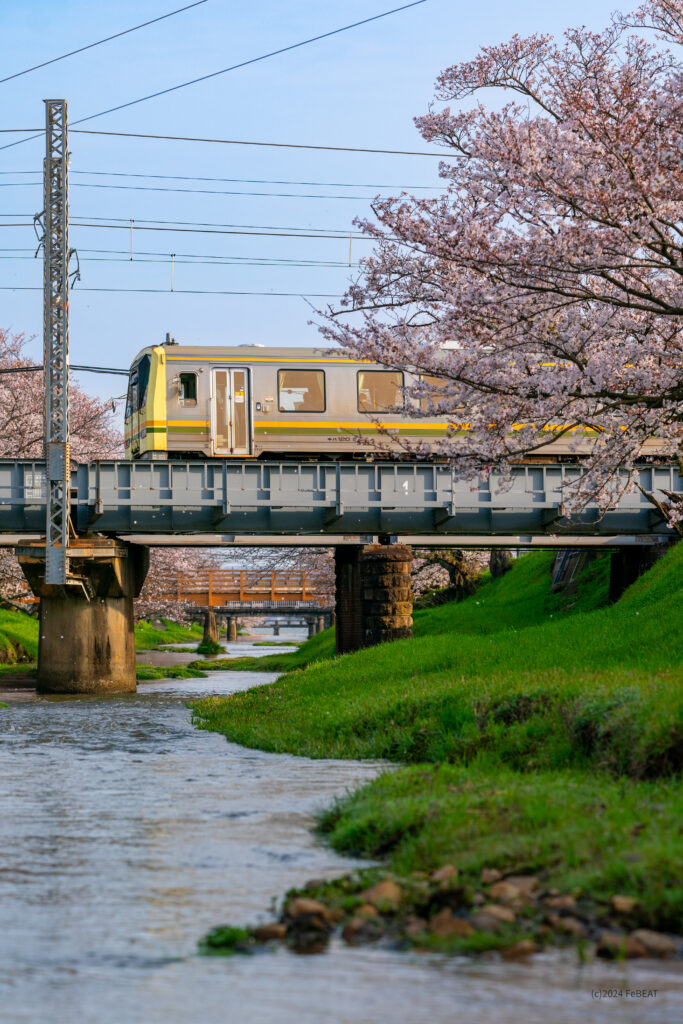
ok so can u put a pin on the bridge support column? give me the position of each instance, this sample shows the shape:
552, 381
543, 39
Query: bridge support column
387, 600
211, 630
312, 626
348, 597
321, 623
86, 640
374, 599
231, 628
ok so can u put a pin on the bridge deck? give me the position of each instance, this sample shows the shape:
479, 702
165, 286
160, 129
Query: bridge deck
288, 499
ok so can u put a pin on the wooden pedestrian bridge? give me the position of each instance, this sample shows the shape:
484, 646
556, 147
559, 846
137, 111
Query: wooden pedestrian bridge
302, 597
253, 588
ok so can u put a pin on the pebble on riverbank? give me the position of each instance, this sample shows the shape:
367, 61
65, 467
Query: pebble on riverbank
514, 914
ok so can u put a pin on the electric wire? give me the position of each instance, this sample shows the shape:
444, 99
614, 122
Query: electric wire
188, 259
242, 142
234, 67
189, 191
182, 291
238, 181
99, 42
38, 367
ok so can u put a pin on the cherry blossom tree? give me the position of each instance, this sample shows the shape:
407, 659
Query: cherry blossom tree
542, 294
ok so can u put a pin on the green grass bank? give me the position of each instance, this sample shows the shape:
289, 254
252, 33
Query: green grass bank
541, 735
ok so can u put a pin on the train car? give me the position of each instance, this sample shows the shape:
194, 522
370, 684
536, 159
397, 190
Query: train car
249, 401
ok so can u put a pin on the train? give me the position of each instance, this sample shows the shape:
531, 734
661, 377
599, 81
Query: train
256, 402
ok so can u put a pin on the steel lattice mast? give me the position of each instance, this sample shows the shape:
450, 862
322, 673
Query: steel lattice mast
56, 341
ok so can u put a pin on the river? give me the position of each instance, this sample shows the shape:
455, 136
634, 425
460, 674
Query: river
126, 834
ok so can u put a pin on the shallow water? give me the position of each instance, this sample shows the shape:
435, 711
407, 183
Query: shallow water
126, 834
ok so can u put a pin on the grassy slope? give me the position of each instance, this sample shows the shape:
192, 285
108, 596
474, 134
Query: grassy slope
18, 628
482, 680
149, 638
553, 734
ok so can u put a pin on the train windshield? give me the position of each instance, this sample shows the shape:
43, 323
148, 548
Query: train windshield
137, 385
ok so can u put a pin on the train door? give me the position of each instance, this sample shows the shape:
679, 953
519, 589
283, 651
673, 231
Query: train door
230, 404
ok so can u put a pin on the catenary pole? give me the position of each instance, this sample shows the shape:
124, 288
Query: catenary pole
56, 341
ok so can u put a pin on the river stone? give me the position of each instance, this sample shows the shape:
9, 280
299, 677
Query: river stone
569, 925
613, 945
308, 923
500, 912
275, 930
559, 902
623, 904
362, 929
484, 922
525, 883
446, 925
520, 950
445, 875
385, 895
510, 895
490, 875
655, 943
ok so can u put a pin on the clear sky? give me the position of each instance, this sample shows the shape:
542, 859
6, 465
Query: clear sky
361, 88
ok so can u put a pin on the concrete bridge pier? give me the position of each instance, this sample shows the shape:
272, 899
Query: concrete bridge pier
211, 627
231, 628
374, 597
321, 623
86, 641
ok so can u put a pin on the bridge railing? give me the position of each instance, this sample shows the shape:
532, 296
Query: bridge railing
214, 587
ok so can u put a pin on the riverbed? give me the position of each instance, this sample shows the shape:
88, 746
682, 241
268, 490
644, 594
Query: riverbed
126, 834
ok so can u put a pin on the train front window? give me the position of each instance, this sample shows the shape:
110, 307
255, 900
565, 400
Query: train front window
132, 398
301, 390
144, 366
187, 389
380, 391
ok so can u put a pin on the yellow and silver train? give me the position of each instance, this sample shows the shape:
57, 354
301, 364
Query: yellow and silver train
254, 402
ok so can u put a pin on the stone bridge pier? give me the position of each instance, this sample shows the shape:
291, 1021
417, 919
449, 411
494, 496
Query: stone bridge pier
374, 597
87, 641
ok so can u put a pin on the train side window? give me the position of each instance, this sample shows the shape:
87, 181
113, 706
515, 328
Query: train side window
187, 389
301, 390
437, 391
380, 391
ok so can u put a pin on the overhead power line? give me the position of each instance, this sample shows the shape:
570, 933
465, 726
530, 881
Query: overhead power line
181, 291
342, 232
191, 191
242, 142
99, 42
233, 67
235, 181
186, 259
252, 60
38, 368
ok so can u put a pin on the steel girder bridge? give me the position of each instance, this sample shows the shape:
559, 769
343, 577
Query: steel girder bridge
226, 502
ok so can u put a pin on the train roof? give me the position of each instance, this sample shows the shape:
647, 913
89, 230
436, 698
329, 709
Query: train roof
243, 353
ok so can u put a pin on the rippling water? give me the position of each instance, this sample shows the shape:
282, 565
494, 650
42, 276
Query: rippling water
126, 834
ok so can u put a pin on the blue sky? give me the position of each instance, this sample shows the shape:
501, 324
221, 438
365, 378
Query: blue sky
361, 88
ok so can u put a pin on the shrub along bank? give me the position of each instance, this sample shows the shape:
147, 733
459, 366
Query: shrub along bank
545, 734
